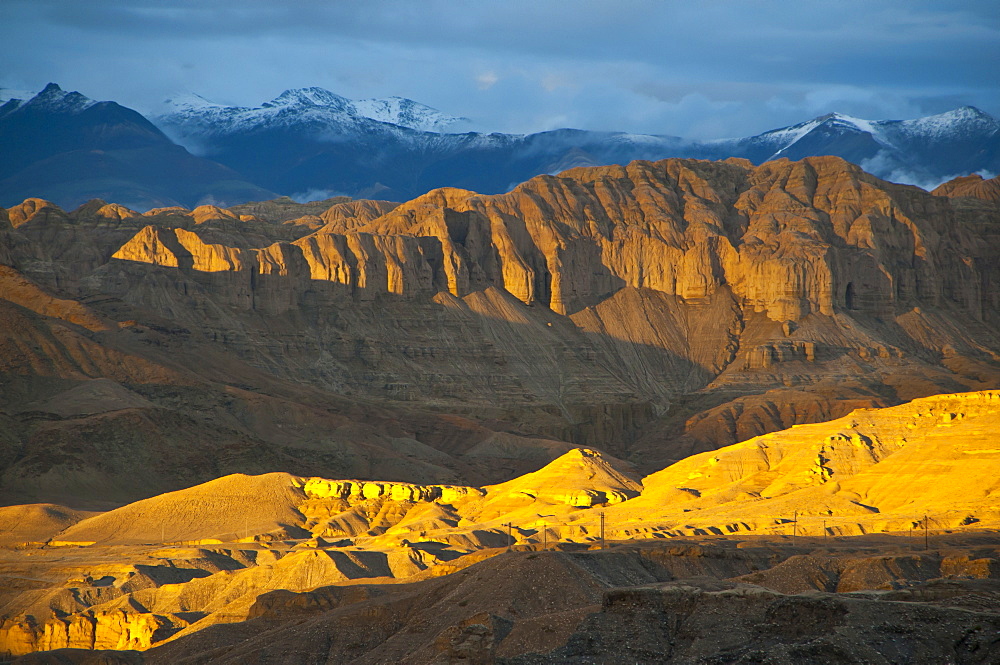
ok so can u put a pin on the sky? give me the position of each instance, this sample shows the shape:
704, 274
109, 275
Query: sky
697, 69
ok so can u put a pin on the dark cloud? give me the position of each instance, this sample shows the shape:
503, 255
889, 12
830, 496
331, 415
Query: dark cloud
704, 69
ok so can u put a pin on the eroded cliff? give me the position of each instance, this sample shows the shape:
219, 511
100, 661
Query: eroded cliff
650, 310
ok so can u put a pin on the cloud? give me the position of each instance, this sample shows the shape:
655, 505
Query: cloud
487, 80
311, 195
713, 67
884, 166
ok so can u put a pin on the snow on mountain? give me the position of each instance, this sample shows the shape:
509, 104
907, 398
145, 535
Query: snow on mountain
316, 109
644, 140
922, 150
306, 97
839, 119
777, 142
54, 99
188, 101
966, 119
312, 138
785, 136
407, 113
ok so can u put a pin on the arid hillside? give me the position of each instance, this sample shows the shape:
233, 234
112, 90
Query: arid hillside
649, 311
890, 513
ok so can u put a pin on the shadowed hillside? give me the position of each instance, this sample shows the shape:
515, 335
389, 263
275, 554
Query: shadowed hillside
649, 311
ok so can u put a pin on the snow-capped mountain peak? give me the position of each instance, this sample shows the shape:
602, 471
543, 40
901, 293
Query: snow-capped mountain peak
312, 96
54, 98
312, 139
406, 113
850, 122
788, 135
961, 120
189, 101
324, 111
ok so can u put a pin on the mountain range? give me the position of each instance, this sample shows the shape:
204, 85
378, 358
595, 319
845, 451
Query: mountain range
356, 430
310, 143
69, 148
652, 311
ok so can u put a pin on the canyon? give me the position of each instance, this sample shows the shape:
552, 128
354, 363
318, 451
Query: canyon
665, 387
651, 311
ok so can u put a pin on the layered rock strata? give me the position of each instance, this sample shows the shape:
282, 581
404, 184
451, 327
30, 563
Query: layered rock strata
651, 310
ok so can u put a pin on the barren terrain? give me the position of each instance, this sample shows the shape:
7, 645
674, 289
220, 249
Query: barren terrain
698, 411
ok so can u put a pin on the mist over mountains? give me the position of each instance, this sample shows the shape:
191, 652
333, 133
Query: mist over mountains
310, 143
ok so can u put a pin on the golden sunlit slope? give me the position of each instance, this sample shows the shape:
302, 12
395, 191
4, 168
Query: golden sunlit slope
161, 570
874, 469
581, 478
376, 514
35, 522
228, 508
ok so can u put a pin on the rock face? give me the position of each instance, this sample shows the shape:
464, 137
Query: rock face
650, 310
848, 494
644, 603
974, 186
786, 239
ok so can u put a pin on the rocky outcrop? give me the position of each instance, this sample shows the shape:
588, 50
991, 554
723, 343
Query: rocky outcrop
283, 209
646, 310
357, 491
697, 621
117, 630
581, 478
842, 476
788, 239
974, 186
633, 604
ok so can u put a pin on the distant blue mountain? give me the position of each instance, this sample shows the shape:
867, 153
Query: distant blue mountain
312, 143
312, 139
69, 149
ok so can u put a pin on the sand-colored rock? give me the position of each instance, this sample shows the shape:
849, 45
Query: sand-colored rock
99, 411
204, 556
405, 366
284, 209
872, 470
265, 504
803, 245
636, 603
17, 289
94, 396
32, 209
581, 478
644, 310
36, 522
974, 186
789, 239
319, 488
348, 215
